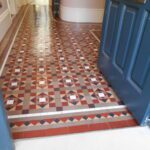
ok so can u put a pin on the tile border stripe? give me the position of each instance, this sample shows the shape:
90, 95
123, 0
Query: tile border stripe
74, 129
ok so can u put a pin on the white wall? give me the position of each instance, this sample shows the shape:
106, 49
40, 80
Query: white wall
41, 2
5, 19
10, 7
4, 6
15, 5
82, 10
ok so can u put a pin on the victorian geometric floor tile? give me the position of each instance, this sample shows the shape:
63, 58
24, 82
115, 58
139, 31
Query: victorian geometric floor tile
79, 122
51, 84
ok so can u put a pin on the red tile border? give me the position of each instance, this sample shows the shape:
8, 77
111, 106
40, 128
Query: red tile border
74, 129
132, 122
78, 129
99, 126
118, 124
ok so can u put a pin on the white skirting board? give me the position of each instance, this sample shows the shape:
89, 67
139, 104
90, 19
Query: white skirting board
81, 14
41, 2
5, 22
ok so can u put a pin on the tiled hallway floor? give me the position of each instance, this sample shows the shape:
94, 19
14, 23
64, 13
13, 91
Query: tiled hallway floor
51, 84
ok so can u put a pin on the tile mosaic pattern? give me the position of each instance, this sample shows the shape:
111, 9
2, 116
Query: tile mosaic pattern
52, 68
56, 121
71, 123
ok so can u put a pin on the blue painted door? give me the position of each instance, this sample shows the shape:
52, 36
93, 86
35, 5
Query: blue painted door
125, 53
6, 142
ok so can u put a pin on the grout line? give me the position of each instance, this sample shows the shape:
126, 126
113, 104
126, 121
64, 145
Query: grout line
11, 45
65, 112
91, 31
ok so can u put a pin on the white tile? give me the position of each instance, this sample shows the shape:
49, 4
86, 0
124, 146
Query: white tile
93, 79
101, 95
59, 50
17, 70
41, 82
82, 58
22, 51
61, 58
41, 69
64, 68
87, 67
41, 59
19, 60
14, 84
42, 100
68, 81
73, 97
10, 102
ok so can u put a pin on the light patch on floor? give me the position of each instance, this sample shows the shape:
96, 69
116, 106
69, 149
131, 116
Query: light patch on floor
123, 139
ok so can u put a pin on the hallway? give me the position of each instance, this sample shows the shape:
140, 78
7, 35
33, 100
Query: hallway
51, 84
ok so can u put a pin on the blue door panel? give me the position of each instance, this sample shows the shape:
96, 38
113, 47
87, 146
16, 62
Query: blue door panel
135, 41
142, 62
111, 26
125, 55
127, 28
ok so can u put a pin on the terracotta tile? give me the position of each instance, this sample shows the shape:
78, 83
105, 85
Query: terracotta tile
132, 122
99, 126
78, 129
118, 124
32, 134
57, 131
18, 135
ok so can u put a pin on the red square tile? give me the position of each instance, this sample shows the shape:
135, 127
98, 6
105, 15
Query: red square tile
118, 124
99, 126
77, 129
